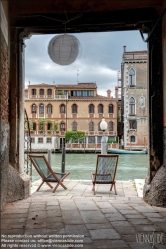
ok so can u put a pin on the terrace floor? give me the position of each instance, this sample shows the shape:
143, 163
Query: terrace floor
75, 218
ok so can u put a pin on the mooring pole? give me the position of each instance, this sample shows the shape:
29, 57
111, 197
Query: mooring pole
63, 158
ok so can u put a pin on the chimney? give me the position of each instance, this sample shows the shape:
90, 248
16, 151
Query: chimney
109, 93
116, 92
124, 49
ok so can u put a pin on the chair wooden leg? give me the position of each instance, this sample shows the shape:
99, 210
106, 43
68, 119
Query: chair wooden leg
115, 188
49, 184
111, 187
40, 186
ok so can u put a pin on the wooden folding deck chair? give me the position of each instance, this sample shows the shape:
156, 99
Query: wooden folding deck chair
106, 166
47, 174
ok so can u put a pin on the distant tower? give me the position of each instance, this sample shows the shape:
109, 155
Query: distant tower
29, 82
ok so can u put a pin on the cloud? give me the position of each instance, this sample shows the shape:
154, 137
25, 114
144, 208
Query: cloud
100, 59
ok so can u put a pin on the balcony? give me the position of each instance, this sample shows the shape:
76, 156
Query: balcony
61, 97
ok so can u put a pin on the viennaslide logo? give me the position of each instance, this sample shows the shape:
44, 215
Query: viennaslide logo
152, 238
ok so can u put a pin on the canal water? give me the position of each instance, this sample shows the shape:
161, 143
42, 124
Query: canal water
80, 166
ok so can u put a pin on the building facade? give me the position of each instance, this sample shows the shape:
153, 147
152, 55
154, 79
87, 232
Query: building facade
54, 109
134, 99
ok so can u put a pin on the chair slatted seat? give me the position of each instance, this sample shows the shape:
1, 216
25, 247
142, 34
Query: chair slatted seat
47, 174
106, 167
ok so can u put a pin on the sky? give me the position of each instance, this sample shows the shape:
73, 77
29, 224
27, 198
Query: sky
99, 59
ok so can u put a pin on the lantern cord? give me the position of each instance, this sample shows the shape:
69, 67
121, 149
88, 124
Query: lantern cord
62, 21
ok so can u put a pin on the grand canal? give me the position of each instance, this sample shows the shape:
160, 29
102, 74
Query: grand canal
80, 166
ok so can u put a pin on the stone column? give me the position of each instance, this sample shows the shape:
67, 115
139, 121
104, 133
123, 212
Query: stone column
155, 186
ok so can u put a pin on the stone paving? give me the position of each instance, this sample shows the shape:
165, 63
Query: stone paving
75, 218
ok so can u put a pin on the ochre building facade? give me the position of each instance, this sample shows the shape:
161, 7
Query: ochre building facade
75, 107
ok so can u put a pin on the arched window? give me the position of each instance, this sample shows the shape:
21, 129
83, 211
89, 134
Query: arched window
100, 108
132, 77
41, 92
132, 106
132, 139
74, 126
62, 126
33, 108
49, 92
62, 108
91, 108
99, 129
33, 91
111, 126
49, 109
41, 109
91, 126
74, 108
110, 109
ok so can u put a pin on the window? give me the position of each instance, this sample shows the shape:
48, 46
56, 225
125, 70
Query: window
65, 92
132, 124
62, 126
41, 108
132, 77
32, 140
74, 126
49, 91
132, 106
62, 108
91, 139
33, 108
49, 140
91, 108
100, 108
99, 129
99, 139
40, 140
41, 92
111, 126
49, 109
74, 108
33, 91
91, 126
49, 126
132, 139
110, 109
34, 126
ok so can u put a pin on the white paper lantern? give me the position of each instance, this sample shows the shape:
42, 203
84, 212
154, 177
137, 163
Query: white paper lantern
63, 49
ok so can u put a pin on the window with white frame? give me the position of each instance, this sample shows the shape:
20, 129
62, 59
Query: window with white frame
91, 139
49, 109
132, 124
131, 77
100, 108
62, 108
91, 108
74, 126
111, 126
49, 140
41, 109
74, 108
32, 140
99, 139
40, 140
132, 106
91, 126
33, 108
110, 108
62, 126
132, 139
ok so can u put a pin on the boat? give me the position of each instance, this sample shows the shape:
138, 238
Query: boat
133, 152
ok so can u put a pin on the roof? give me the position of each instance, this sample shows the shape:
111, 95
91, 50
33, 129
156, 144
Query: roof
79, 85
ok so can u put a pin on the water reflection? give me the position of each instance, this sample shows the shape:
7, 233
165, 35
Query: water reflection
81, 165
